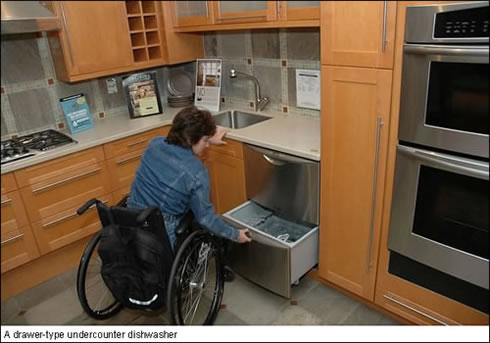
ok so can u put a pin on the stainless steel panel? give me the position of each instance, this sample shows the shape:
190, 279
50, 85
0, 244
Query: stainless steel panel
449, 260
420, 21
286, 184
28, 16
413, 104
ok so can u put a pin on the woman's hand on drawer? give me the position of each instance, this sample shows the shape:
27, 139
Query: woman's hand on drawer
245, 236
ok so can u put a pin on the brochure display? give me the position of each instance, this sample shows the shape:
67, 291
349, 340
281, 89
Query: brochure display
77, 113
142, 94
208, 83
308, 88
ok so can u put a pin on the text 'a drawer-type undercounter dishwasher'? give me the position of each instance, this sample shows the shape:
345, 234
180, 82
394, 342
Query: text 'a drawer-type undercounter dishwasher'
282, 215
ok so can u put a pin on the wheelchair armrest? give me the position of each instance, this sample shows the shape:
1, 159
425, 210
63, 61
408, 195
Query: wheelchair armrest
143, 216
185, 223
86, 206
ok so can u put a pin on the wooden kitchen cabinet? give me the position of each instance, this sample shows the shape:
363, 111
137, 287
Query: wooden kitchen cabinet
244, 11
8, 183
226, 175
17, 241
355, 116
100, 38
94, 39
123, 157
299, 10
191, 13
358, 33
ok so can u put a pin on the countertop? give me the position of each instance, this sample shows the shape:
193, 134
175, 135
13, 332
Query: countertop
292, 134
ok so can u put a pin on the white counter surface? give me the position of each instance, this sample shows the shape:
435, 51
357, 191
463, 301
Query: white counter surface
296, 135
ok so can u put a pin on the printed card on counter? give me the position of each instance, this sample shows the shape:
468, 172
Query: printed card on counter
208, 83
77, 113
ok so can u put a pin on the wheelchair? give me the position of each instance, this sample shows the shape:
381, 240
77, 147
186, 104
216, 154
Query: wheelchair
196, 282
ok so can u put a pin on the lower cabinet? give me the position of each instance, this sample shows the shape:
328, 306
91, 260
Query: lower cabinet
226, 175
355, 115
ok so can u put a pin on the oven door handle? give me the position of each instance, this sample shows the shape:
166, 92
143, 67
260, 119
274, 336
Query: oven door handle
448, 50
456, 164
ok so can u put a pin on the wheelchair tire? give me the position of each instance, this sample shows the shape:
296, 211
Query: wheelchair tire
96, 299
196, 282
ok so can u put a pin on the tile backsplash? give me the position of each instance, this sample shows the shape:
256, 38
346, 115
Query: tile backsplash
30, 91
272, 56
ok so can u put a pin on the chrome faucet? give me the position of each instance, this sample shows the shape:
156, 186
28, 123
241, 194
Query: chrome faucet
259, 101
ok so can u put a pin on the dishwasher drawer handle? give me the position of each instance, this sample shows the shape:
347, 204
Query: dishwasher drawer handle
129, 159
6, 201
62, 219
54, 184
10, 240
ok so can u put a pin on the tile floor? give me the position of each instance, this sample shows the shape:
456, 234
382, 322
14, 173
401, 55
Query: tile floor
55, 302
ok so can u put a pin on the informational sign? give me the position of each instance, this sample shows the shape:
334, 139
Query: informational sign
208, 83
308, 88
77, 113
141, 90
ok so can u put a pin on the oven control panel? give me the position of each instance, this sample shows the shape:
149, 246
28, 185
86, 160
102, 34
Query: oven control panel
470, 23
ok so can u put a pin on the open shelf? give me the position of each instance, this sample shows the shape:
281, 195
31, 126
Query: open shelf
143, 21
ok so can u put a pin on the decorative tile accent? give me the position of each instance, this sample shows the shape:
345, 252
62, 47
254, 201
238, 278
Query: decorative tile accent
61, 126
284, 63
249, 61
101, 115
3, 90
50, 81
285, 109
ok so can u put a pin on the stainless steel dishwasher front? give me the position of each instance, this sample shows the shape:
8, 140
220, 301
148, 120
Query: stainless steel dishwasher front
282, 215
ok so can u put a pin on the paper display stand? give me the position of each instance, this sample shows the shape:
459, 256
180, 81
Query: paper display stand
77, 113
308, 88
141, 91
208, 83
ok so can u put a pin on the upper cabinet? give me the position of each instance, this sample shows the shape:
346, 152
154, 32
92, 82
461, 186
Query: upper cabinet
299, 10
100, 38
233, 15
358, 33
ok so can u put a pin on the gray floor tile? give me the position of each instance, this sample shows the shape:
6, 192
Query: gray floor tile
226, 317
296, 315
150, 319
125, 317
331, 306
10, 309
363, 315
40, 293
251, 303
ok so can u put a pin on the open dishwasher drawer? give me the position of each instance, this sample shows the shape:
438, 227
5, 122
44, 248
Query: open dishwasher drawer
280, 253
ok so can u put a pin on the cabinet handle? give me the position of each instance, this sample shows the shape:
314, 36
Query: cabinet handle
379, 124
43, 188
243, 17
414, 309
67, 34
6, 201
207, 8
128, 159
12, 239
278, 9
62, 219
137, 142
385, 12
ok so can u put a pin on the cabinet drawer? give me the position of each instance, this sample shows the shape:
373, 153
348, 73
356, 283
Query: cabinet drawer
8, 183
123, 168
18, 247
232, 148
132, 143
67, 226
77, 184
13, 213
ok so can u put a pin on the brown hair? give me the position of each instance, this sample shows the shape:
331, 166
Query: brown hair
190, 125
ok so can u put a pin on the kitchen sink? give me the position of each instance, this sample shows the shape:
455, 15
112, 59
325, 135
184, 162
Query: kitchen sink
238, 119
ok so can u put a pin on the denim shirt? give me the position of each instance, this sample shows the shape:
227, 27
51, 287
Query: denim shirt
172, 178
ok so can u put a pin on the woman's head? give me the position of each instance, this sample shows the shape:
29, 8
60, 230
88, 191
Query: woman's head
191, 128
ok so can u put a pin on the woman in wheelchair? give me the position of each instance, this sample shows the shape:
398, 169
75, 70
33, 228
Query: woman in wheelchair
171, 176
133, 262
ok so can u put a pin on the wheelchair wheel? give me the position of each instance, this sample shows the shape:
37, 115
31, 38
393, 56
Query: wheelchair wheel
96, 299
196, 281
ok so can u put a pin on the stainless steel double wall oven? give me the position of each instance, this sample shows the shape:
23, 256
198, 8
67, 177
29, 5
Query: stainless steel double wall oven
439, 220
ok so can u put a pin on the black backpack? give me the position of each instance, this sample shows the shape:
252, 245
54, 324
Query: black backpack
136, 256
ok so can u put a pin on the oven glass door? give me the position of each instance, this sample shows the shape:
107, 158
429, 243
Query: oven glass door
444, 98
440, 213
458, 97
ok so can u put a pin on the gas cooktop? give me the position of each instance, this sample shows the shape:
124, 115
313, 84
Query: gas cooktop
30, 145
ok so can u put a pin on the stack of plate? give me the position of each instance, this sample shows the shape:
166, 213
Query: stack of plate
180, 86
180, 100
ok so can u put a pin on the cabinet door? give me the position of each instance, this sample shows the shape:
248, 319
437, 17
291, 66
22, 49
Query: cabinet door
299, 10
95, 35
191, 13
227, 180
227, 12
355, 112
358, 33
